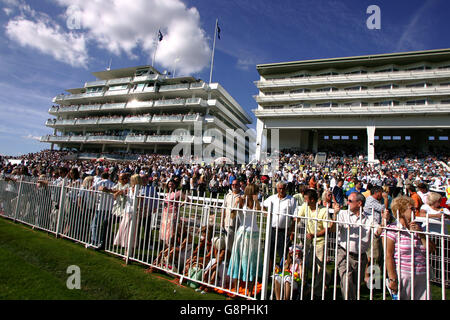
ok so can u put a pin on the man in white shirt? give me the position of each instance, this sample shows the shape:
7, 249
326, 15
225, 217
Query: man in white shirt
350, 251
283, 208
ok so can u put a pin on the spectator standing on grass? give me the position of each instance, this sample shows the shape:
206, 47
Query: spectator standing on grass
228, 219
122, 236
349, 223
315, 236
283, 209
400, 256
373, 207
105, 203
244, 262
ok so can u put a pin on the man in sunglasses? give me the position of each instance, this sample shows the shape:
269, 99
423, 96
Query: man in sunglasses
229, 219
352, 247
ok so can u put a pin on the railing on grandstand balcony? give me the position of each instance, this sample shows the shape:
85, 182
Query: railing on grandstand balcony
164, 231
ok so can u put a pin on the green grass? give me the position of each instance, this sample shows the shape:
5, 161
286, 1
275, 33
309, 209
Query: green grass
34, 265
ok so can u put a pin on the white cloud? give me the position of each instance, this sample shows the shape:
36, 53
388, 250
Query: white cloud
122, 26
31, 137
40, 33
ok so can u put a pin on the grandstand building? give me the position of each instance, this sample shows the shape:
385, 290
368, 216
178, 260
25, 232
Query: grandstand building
384, 102
138, 109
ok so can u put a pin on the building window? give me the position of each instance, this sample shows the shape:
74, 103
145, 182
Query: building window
396, 138
345, 137
326, 137
408, 138
376, 138
431, 138
336, 137
387, 137
355, 137
443, 138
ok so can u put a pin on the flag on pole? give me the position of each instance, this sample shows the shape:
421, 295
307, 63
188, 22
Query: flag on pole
160, 36
218, 31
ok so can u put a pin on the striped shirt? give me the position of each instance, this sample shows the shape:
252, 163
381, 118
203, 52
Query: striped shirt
419, 260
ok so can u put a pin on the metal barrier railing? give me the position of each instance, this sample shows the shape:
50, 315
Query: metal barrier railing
267, 252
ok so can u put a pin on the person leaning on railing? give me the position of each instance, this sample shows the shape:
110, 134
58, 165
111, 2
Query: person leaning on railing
316, 227
350, 221
399, 243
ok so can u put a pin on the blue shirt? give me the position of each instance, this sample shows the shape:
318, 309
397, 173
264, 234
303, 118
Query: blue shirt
354, 190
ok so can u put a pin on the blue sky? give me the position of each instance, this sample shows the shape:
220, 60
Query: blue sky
48, 46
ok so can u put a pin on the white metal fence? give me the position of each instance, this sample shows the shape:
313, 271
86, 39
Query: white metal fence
189, 237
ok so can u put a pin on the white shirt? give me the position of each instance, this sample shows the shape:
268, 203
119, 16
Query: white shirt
105, 200
345, 218
282, 210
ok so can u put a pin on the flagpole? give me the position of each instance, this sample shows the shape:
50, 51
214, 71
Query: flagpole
214, 48
156, 49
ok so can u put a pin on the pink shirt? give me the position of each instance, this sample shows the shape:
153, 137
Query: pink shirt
404, 247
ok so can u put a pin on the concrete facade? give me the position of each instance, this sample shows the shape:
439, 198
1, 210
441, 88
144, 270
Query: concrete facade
357, 102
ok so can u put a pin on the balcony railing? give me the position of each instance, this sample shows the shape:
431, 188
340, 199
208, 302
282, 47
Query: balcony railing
148, 77
187, 138
119, 81
192, 117
198, 85
172, 102
117, 92
99, 83
77, 138
172, 139
92, 121
138, 119
91, 107
139, 104
65, 122
355, 78
68, 109
183, 86
167, 118
341, 109
58, 138
370, 93
195, 101
113, 106
111, 121
53, 110
135, 139
105, 139
59, 97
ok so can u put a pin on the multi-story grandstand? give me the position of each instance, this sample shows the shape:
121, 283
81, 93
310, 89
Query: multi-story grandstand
385, 102
138, 109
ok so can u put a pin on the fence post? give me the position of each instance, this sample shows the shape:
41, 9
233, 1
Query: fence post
133, 223
61, 207
266, 253
18, 199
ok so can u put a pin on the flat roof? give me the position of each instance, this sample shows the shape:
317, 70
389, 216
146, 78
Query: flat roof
121, 73
349, 62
